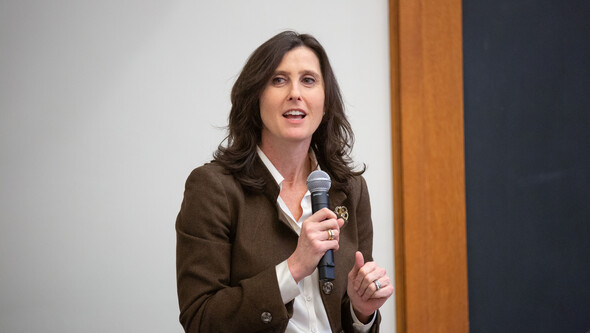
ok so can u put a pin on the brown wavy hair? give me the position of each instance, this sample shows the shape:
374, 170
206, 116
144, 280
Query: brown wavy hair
331, 142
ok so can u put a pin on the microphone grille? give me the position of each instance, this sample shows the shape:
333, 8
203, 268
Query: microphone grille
318, 181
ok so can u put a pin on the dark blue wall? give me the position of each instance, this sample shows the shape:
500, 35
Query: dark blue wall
527, 134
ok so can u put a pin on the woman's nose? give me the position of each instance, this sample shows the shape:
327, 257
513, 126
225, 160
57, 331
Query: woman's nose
295, 93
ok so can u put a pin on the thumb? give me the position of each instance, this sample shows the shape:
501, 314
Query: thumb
359, 261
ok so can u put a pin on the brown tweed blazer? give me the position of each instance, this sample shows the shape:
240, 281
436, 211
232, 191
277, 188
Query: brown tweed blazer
229, 242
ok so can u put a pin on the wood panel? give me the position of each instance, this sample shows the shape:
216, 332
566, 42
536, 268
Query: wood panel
428, 159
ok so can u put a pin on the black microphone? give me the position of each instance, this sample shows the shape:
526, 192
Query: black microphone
318, 184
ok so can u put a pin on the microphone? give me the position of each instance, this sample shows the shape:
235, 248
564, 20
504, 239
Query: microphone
318, 184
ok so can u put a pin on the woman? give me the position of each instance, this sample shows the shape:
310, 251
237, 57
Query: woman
247, 242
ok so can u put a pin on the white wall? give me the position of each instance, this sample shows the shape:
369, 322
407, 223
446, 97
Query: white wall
107, 105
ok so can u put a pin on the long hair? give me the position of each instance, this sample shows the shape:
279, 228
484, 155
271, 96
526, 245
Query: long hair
331, 142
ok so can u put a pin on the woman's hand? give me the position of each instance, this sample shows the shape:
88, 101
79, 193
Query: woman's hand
314, 242
362, 289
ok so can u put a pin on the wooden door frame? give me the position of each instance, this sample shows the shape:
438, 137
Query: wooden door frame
428, 165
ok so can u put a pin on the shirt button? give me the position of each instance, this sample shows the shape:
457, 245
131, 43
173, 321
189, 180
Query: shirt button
308, 298
266, 317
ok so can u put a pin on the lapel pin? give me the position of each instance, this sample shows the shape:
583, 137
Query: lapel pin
342, 212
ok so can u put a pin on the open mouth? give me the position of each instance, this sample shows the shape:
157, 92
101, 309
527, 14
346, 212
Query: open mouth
294, 114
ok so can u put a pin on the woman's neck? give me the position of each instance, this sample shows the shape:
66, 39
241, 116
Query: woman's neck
292, 162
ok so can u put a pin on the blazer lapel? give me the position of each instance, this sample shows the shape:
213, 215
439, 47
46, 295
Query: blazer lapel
271, 190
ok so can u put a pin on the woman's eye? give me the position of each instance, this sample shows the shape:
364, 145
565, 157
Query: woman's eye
308, 80
278, 80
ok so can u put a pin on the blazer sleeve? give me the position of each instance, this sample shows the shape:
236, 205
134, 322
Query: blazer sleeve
207, 300
365, 245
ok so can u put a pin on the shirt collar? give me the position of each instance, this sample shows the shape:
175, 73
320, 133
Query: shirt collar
274, 172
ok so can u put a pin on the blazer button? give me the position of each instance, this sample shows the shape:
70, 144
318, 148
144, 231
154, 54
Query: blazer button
266, 317
327, 287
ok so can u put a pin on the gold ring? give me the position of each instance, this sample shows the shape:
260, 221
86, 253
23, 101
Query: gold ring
330, 234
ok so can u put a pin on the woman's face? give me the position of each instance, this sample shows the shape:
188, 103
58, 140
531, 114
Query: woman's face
292, 104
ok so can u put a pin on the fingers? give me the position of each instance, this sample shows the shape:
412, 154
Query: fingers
365, 282
378, 288
323, 225
324, 214
340, 222
331, 229
327, 230
363, 277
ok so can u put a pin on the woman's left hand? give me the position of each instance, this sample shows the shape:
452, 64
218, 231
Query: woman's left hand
368, 287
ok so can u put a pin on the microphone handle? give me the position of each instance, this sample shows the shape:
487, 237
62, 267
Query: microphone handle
326, 265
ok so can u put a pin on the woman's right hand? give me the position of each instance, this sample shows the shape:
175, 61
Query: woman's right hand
314, 242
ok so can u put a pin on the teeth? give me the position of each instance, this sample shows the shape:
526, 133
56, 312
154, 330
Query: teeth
294, 113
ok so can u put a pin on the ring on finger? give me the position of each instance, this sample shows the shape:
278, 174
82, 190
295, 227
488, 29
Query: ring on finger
377, 284
330, 234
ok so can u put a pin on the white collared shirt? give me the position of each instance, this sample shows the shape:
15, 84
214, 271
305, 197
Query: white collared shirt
309, 314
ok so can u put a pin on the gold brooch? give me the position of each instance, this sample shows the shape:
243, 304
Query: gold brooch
342, 212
